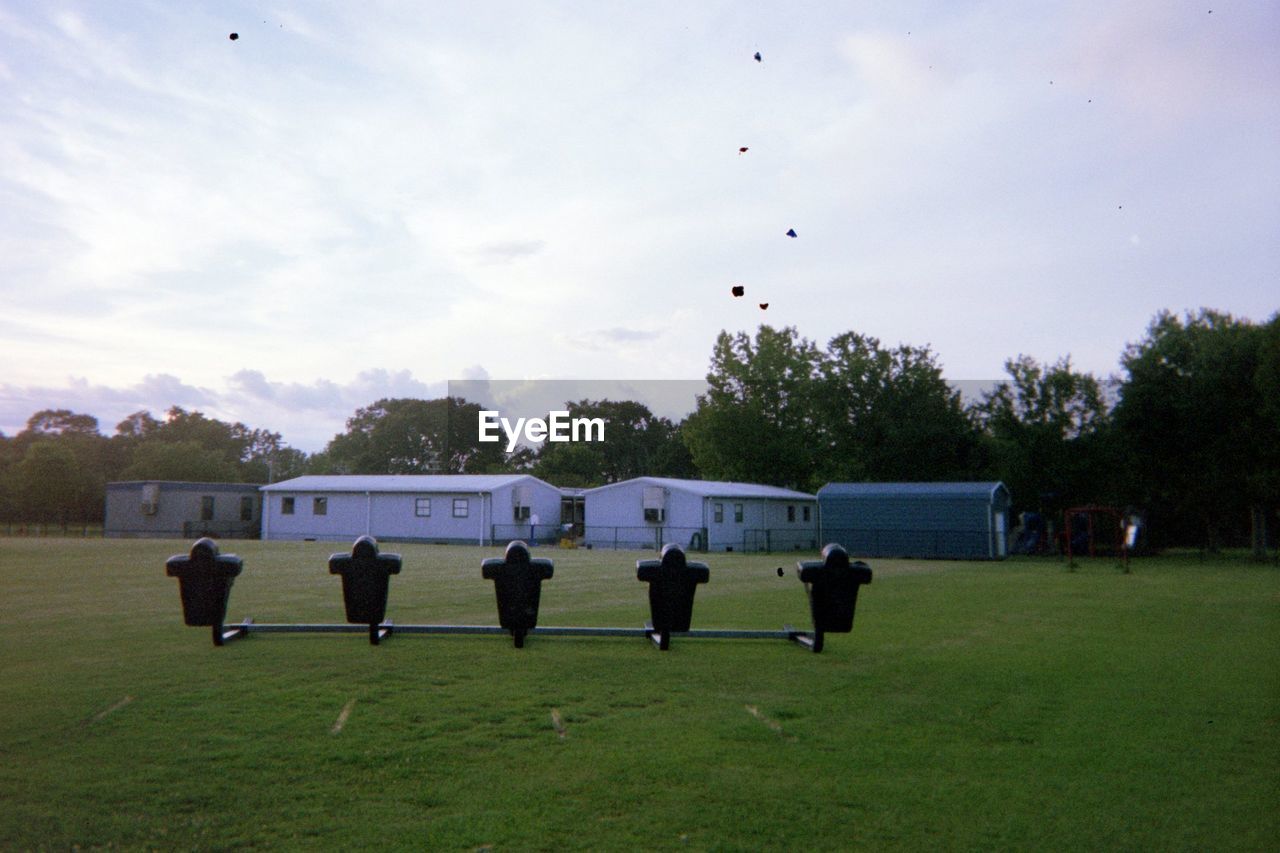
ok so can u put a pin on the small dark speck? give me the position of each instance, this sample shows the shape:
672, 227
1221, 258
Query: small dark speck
758, 57
764, 306
780, 572
738, 290
791, 232
1120, 207
742, 150
234, 36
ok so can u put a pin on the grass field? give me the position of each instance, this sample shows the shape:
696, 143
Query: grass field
975, 705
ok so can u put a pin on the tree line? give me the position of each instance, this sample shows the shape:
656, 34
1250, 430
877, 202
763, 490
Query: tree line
1190, 434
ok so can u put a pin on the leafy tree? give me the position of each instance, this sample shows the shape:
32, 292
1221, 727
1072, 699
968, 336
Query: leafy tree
781, 411
636, 443
53, 484
407, 436
182, 461
1047, 429
756, 422
1197, 418
888, 415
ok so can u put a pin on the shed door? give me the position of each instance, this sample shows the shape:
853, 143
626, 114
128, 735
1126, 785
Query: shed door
1002, 540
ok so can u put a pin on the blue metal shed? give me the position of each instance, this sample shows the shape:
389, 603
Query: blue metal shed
953, 521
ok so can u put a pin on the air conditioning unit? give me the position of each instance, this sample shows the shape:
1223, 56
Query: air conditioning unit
651, 514
150, 498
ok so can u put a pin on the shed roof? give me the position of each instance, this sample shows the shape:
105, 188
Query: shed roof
910, 490
712, 488
417, 483
183, 486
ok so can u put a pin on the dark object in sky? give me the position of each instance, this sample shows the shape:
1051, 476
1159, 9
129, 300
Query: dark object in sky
780, 572
791, 232
758, 58
742, 150
234, 36
738, 290
764, 306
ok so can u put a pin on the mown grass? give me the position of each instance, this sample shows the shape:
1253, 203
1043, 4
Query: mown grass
976, 705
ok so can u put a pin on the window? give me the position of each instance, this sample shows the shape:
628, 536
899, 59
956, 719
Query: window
286, 506
737, 513
791, 513
651, 514
521, 513
206, 508
719, 513
461, 507
246, 508
319, 506
805, 511
422, 507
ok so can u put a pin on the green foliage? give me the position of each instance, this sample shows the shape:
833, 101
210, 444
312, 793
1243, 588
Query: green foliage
756, 421
182, 461
637, 444
407, 436
1198, 421
781, 411
1047, 428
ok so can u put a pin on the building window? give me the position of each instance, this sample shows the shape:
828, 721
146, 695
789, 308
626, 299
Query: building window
737, 513
719, 513
319, 506
422, 507
805, 511
791, 513
521, 513
206, 508
286, 506
246, 508
461, 507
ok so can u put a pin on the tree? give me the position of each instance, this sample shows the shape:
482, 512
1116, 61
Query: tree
52, 484
1047, 431
756, 421
636, 443
180, 460
783, 412
407, 436
888, 415
1197, 420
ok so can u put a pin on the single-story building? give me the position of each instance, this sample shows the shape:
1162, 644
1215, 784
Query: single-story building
939, 520
164, 509
448, 508
699, 515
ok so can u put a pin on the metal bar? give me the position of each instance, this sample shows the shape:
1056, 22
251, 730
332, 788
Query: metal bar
249, 627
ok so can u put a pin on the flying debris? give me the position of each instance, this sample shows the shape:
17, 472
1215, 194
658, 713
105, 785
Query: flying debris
764, 306
738, 290
742, 150
758, 57
791, 232
234, 36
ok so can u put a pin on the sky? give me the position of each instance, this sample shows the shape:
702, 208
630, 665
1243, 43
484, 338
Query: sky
353, 201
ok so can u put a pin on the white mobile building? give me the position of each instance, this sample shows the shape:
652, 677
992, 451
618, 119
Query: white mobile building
447, 508
700, 515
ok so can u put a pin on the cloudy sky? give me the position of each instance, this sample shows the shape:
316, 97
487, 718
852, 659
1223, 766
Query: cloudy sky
359, 200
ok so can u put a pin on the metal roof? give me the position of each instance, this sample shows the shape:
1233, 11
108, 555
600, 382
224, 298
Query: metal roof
910, 490
419, 483
713, 488
184, 486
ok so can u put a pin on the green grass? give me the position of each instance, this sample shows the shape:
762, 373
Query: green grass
975, 705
